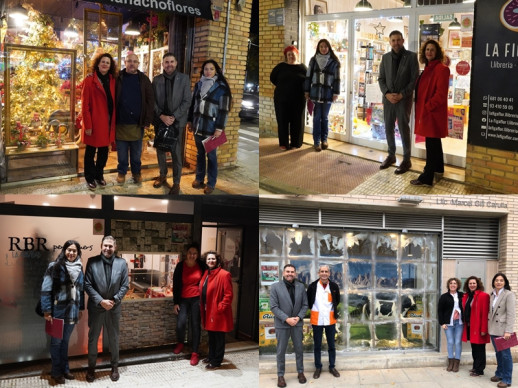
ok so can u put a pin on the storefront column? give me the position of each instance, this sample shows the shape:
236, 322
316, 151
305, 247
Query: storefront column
272, 41
209, 43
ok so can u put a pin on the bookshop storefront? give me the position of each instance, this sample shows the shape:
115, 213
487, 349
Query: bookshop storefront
390, 257
360, 38
152, 236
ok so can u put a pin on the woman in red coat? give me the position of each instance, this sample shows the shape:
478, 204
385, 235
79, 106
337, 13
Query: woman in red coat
98, 110
216, 307
431, 110
475, 303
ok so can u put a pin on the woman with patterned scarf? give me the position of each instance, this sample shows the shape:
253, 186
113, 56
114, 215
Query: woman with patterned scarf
62, 297
211, 103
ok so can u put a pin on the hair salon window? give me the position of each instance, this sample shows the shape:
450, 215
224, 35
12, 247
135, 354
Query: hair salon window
388, 284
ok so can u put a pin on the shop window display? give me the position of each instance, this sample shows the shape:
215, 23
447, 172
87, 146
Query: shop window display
320, 7
388, 294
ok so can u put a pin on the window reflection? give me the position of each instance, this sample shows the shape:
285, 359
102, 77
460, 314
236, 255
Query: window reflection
303, 270
412, 247
271, 241
331, 244
359, 245
386, 246
300, 243
360, 274
386, 275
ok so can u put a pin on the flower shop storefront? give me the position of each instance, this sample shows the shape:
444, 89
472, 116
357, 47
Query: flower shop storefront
390, 261
47, 47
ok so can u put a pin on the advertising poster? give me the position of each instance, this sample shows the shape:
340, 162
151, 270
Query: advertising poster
493, 119
269, 272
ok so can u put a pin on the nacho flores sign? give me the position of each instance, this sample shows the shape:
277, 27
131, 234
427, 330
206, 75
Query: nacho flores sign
197, 8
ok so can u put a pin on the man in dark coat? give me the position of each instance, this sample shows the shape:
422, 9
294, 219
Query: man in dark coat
398, 74
135, 108
106, 283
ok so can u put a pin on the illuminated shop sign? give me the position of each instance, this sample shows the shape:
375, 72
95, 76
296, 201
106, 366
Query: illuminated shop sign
196, 8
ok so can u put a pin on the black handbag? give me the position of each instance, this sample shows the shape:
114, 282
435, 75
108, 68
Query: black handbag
166, 137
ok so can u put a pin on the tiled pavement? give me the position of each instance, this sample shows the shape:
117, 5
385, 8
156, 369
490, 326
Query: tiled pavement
239, 369
379, 182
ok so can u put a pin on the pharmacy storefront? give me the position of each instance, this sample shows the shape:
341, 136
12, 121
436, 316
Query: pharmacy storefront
390, 257
359, 34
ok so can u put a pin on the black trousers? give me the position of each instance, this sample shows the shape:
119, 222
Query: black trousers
290, 120
478, 351
94, 169
434, 160
216, 347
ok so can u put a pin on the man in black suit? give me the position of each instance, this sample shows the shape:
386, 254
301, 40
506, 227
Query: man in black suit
289, 303
398, 74
106, 283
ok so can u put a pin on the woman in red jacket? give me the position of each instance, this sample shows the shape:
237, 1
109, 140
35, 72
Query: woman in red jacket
98, 110
216, 307
431, 110
475, 303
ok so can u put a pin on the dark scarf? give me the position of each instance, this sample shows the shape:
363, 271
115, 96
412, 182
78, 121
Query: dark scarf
105, 81
291, 290
467, 311
169, 87
396, 60
107, 268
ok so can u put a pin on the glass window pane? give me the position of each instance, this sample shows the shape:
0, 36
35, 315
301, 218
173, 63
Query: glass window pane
412, 247
386, 246
359, 245
386, 336
330, 243
412, 335
386, 275
358, 307
360, 274
385, 306
409, 276
271, 241
430, 304
300, 242
359, 336
411, 306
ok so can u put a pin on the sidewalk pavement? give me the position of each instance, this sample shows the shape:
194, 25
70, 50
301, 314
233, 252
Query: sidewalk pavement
239, 369
346, 169
411, 377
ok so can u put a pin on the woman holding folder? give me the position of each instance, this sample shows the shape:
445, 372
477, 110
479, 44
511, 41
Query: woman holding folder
502, 312
62, 299
211, 103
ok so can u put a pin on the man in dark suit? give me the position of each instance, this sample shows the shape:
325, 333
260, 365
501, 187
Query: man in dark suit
398, 74
289, 302
106, 283
172, 102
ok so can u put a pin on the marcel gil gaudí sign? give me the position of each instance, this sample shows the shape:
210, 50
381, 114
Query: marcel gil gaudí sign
493, 119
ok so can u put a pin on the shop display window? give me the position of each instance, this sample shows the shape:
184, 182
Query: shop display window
371, 42
150, 274
335, 31
388, 283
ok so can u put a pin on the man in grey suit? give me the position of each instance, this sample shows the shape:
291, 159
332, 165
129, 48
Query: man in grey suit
289, 303
172, 102
106, 283
398, 74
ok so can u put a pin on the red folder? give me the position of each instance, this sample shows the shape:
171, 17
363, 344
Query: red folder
55, 329
501, 343
212, 142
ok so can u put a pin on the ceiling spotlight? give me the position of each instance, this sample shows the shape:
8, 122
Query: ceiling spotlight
132, 30
19, 13
362, 6
454, 25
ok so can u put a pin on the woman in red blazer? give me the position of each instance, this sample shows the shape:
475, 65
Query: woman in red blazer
98, 111
475, 303
216, 307
431, 110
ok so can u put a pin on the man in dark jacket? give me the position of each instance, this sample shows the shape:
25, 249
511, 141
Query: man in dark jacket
323, 299
135, 108
106, 283
172, 101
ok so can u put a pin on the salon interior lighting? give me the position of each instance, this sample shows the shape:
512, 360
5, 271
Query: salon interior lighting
362, 6
454, 25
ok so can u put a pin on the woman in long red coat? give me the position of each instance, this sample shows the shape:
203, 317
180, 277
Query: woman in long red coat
98, 111
431, 110
216, 307
475, 303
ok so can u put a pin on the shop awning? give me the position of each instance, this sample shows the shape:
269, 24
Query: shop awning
197, 8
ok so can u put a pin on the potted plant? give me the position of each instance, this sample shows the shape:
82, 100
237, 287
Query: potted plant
42, 140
